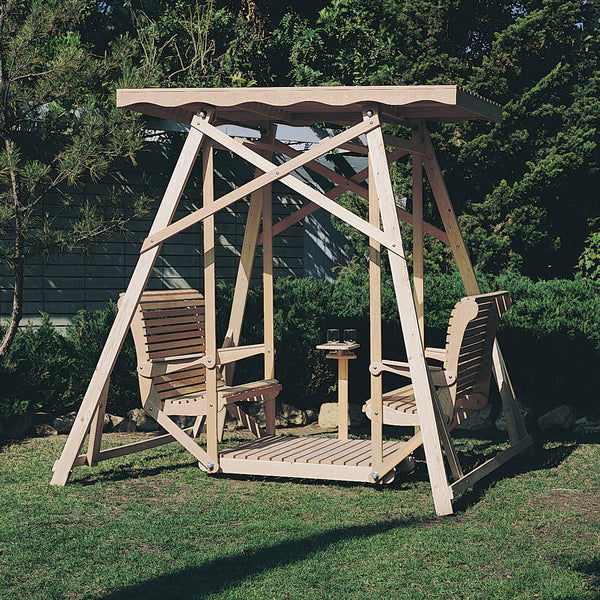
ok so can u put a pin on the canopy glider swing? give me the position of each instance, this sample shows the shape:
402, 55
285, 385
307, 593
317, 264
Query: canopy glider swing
182, 370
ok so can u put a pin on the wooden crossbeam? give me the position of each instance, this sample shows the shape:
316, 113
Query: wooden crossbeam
272, 173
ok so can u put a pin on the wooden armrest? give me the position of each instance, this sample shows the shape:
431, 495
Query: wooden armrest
253, 389
234, 353
439, 377
435, 354
170, 364
391, 366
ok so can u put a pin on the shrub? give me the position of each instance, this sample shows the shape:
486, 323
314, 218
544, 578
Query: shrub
550, 340
86, 337
39, 371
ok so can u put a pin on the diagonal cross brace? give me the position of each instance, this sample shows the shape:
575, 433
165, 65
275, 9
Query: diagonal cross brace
272, 173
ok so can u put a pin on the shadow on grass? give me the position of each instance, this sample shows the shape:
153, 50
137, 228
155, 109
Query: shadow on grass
226, 572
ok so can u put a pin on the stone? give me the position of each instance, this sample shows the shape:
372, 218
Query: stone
328, 415
500, 423
107, 426
183, 421
312, 415
64, 423
126, 426
142, 421
295, 417
585, 427
562, 417
115, 422
478, 421
44, 430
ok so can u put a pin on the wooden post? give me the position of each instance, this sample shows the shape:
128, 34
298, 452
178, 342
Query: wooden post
137, 284
375, 323
210, 325
269, 325
418, 270
244, 274
422, 386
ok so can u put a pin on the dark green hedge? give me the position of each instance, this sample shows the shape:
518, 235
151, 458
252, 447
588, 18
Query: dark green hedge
550, 339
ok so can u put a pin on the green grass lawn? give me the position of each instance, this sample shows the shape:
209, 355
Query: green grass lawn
152, 525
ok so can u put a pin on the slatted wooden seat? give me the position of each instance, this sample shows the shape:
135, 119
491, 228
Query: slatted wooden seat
168, 332
463, 380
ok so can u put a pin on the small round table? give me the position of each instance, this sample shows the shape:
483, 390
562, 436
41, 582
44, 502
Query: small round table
342, 352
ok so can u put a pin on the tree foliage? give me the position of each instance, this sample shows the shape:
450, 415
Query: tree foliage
60, 130
525, 188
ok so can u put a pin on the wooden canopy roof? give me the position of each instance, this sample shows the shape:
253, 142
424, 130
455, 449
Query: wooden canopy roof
309, 105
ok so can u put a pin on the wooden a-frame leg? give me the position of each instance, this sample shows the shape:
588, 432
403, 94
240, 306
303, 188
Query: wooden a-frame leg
242, 282
95, 438
221, 415
442, 492
64, 465
514, 420
200, 419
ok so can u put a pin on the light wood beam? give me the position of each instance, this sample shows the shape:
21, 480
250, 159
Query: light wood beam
516, 428
422, 385
375, 323
272, 173
116, 337
210, 325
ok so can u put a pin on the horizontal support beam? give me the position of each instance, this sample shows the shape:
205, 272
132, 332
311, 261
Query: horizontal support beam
402, 144
154, 442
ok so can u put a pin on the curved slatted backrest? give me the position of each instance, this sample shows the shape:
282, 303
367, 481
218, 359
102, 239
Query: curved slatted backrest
170, 324
469, 342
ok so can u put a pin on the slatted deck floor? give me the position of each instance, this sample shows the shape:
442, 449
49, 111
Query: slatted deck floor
303, 457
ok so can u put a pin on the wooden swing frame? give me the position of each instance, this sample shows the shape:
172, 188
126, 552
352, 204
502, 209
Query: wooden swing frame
362, 110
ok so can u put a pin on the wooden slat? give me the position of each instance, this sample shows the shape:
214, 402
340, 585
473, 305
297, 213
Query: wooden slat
188, 312
317, 451
337, 451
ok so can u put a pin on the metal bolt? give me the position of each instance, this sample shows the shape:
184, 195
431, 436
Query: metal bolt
210, 466
202, 115
376, 413
375, 475
151, 408
276, 172
268, 350
369, 113
151, 240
